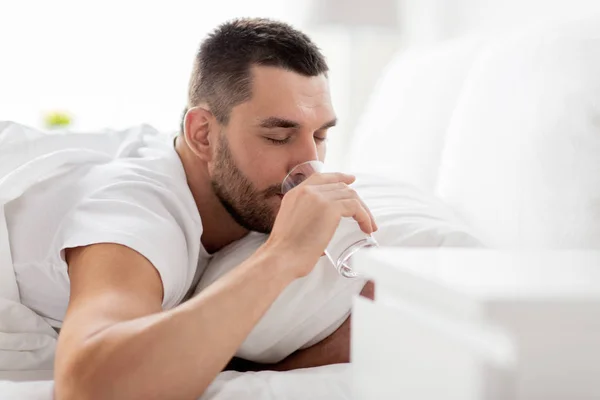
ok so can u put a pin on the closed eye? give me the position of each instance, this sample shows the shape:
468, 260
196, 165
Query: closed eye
286, 140
278, 141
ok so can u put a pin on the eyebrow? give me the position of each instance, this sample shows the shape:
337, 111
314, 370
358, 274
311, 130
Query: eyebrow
329, 124
275, 122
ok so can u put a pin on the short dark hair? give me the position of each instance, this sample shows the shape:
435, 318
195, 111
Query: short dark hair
221, 73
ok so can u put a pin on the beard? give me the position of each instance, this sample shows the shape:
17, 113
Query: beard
248, 206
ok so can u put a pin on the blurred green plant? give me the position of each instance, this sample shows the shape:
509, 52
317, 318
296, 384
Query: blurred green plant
57, 119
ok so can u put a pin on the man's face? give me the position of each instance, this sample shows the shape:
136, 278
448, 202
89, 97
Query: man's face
284, 124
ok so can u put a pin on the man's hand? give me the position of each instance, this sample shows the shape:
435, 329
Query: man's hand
309, 215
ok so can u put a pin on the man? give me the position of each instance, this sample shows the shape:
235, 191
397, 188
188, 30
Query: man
124, 241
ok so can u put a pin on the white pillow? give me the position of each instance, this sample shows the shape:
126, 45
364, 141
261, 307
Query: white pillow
401, 134
312, 308
522, 158
27, 342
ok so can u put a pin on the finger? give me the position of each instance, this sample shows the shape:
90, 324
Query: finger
330, 187
373, 222
339, 194
352, 208
338, 191
331, 177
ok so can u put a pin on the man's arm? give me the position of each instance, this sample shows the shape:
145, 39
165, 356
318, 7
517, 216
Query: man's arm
334, 349
117, 343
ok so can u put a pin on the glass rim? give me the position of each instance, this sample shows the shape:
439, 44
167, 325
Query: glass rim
318, 169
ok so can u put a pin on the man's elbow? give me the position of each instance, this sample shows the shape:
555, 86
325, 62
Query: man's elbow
87, 372
78, 377
92, 374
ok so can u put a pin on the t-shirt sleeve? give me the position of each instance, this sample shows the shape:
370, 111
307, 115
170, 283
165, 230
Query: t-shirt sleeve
141, 216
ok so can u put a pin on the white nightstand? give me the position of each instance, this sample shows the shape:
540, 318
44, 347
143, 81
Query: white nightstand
471, 324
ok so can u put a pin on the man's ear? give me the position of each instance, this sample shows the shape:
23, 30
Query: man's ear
198, 123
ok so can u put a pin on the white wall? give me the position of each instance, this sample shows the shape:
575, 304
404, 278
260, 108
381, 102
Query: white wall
117, 63
111, 63
429, 21
114, 63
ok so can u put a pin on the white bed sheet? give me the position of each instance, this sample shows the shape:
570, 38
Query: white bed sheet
331, 382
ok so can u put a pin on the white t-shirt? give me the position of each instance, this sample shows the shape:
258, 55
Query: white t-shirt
139, 199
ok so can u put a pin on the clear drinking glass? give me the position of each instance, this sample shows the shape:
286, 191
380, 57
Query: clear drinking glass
347, 239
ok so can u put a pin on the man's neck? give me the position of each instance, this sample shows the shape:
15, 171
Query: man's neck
219, 228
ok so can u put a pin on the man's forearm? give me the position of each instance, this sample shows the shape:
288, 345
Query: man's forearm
334, 349
176, 354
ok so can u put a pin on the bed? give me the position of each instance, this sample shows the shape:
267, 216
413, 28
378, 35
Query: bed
427, 86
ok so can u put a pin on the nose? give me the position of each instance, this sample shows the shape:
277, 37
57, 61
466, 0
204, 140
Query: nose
304, 150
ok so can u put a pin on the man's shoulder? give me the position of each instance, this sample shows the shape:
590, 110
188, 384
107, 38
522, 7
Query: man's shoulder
143, 184
150, 167
157, 184
152, 161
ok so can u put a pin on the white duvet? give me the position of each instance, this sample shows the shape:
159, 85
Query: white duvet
306, 312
